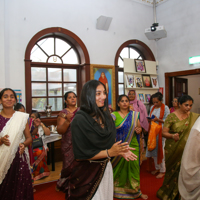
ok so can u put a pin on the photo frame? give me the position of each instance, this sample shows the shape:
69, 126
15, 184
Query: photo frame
138, 81
140, 66
105, 74
130, 81
147, 97
160, 90
141, 97
146, 81
154, 81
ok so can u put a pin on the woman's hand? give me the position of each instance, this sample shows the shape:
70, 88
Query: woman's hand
138, 130
21, 148
69, 116
5, 140
129, 156
175, 137
37, 122
118, 148
155, 119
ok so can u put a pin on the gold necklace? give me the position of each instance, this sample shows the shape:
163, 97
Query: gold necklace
123, 115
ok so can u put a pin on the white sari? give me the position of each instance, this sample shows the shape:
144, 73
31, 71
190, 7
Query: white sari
189, 176
14, 129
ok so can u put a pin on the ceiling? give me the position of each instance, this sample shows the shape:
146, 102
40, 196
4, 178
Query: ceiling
150, 2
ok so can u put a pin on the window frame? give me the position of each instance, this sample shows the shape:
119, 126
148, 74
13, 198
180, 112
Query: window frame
83, 70
53, 65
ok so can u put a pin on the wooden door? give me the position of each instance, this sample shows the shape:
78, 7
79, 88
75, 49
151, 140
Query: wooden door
180, 87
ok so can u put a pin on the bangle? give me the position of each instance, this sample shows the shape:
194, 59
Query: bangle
173, 136
108, 154
68, 122
43, 126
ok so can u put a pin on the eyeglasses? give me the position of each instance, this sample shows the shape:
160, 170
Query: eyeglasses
174, 101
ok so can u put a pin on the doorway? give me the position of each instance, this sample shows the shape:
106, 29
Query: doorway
175, 85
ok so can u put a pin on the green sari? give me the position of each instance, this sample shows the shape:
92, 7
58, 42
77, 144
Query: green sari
173, 154
127, 174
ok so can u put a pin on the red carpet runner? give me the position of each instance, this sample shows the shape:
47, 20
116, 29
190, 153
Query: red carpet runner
149, 185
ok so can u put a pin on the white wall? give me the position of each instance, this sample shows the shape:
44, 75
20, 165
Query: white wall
23, 19
2, 61
193, 90
181, 20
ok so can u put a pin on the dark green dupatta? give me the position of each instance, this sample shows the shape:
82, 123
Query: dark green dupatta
127, 174
173, 154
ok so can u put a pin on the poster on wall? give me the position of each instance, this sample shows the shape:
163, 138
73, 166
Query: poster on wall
19, 95
106, 75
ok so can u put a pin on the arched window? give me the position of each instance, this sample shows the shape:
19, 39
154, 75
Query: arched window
133, 49
129, 52
53, 69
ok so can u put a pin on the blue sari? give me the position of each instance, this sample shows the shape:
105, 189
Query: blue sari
127, 174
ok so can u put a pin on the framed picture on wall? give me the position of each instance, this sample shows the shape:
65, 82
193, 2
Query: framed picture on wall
146, 81
147, 97
140, 66
130, 81
138, 81
106, 75
154, 81
141, 97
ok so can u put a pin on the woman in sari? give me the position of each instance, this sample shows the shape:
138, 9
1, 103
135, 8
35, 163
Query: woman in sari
40, 168
160, 112
20, 107
138, 106
176, 129
93, 138
64, 120
127, 174
175, 105
15, 175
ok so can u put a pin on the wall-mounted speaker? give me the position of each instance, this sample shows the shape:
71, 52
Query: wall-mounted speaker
103, 23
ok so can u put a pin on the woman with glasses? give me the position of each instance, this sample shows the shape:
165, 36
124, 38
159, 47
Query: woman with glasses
175, 105
138, 106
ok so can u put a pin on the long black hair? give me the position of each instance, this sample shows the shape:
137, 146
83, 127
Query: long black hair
119, 99
5, 89
88, 101
66, 95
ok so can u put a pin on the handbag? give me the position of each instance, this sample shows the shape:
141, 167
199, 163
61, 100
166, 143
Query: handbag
154, 131
37, 143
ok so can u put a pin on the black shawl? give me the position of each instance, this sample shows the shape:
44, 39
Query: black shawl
88, 137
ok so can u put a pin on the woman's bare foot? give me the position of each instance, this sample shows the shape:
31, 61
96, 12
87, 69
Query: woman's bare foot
155, 172
160, 175
144, 196
57, 189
